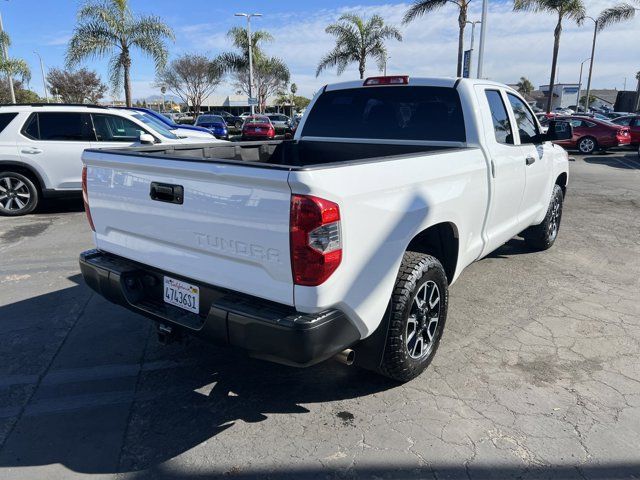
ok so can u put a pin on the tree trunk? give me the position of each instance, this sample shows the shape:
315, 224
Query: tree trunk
462, 23
554, 61
127, 78
361, 68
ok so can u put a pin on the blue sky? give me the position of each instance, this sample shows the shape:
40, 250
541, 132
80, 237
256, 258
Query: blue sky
517, 44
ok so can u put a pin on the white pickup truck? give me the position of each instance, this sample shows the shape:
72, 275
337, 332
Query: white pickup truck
342, 242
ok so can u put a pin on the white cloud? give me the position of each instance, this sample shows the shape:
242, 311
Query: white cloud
517, 44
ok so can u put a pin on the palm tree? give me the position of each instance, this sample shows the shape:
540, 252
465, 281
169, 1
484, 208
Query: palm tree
12, 67
525, 86
616, 14
108, 27
419, 8
356, 40
563, 9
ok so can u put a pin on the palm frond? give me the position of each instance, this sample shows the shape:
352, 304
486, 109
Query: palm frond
420, 8
90, 40
149, 35
5, 39
616, 14
16, 67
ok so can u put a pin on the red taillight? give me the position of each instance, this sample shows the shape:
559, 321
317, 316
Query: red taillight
85, 198
395, 80
316, 239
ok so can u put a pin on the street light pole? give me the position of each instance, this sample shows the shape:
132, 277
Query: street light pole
5, 55
483, 32
580, 85
44, 78
473, 31
593, 51
248, 16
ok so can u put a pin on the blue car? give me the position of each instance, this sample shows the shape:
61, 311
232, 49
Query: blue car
215, 124
171, 125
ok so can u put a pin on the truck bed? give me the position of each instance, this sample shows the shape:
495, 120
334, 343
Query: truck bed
287, 154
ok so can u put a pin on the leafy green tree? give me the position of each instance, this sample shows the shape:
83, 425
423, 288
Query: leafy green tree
192, 78
583, 99
12, 67
109, 28
422, 7
563, 10
356, 40
524, 86
76, 86
23, 95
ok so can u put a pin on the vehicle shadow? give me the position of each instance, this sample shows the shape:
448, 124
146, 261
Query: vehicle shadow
396, 470
515, 246
61, 205
181, 396
624, 162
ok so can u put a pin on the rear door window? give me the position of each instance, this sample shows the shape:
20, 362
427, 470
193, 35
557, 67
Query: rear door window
389, 112
59, 126
5, 119
500, 118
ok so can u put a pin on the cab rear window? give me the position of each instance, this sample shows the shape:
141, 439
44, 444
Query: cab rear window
398, 113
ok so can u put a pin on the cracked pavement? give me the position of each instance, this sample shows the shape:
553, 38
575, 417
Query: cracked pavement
537, 375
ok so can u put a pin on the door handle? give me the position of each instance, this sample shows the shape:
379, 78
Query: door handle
164, 192
31, 150
530, 161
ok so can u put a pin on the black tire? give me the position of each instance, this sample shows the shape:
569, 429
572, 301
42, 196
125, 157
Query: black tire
416, 271
587, 145
543, 236
18, 194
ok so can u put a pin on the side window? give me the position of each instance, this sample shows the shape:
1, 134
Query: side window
623, 121
576, 123
501, 123
636, 122
113, 128
59, 126
5, 119
588, 124
524, 118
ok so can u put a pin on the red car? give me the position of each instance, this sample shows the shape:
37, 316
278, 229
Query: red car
633, 122
258, 127
591, 134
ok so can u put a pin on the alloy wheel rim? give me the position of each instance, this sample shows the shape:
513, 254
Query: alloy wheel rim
423, 321
587, 145
554, 222
14, 194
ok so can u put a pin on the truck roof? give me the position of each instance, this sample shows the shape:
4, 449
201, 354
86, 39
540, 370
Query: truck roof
420, 81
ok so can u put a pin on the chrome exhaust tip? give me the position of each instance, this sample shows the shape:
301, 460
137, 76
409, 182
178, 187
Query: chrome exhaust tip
347, 356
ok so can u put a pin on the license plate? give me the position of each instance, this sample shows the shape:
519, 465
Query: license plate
182, 294
258, 129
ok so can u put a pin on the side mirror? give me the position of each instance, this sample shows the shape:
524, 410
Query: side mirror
559, 130
147, 139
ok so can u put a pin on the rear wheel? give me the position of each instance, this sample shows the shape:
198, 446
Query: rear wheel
18, 194
587, 145
543, 236
418, 314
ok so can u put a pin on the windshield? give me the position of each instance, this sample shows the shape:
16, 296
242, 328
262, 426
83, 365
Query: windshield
209, 119
155, 124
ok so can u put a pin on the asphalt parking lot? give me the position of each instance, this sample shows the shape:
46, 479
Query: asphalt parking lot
537, 376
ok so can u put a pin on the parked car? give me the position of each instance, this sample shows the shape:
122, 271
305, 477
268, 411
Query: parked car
591, 135
215, 124
178, 129
563, 111
231, 120
155, 122
342, 242
41, 147
633, 122
613, 115
258, 127
279, 121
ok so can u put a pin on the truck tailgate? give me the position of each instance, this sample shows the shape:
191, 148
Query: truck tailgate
231, 228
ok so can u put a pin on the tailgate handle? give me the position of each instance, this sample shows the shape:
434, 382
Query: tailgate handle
164, 192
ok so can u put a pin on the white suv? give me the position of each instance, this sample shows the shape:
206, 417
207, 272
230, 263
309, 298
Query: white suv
41, 147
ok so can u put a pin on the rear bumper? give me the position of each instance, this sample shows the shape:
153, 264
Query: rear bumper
265, 329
